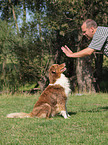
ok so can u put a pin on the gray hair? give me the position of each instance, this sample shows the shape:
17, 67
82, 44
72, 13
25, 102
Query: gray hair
90, 23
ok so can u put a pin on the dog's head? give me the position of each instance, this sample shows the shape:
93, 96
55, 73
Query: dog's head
55, 72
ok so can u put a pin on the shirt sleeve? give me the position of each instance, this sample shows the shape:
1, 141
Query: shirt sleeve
97, 42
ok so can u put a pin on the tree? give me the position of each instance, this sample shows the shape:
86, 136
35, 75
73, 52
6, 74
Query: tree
37, 43
8, 72
66, 16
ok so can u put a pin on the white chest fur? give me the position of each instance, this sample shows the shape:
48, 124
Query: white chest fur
64, 82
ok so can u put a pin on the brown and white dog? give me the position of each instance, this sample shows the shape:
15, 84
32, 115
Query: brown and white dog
53, 99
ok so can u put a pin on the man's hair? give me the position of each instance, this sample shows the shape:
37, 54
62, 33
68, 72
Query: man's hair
90, 23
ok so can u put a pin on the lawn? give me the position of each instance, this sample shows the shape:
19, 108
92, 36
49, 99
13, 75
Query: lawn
88, 124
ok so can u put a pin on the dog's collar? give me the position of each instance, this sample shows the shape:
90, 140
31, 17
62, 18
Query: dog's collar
51, 84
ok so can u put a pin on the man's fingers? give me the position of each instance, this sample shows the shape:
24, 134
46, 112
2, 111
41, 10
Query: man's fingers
68, 49
63, 49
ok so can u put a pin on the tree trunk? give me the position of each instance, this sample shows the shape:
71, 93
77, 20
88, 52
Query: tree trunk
4, 72
14, 16
84, 73
98, 70
24, 13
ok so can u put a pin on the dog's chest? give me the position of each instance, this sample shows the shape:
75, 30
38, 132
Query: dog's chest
64, 82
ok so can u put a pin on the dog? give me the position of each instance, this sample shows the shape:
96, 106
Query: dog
53, 99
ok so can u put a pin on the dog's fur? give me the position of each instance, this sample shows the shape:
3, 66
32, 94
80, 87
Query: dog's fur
53, 99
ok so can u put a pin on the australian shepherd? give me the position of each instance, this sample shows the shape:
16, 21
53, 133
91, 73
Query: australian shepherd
53, 99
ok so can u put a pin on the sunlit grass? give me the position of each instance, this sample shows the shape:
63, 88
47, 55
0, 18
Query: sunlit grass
88, 124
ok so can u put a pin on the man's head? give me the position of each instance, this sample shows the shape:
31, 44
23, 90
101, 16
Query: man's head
89, 28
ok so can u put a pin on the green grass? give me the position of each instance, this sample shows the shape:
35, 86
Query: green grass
88, 124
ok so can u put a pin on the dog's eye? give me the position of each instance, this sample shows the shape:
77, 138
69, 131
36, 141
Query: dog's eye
53, 72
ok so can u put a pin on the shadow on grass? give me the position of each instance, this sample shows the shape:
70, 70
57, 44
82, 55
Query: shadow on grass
104, 108
72, 113
99, 109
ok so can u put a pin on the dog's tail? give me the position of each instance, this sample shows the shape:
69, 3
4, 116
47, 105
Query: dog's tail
19, 115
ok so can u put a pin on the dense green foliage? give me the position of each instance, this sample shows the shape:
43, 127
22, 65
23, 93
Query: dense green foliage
32, 33
87, 125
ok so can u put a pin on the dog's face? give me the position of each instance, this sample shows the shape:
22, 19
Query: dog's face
55, 72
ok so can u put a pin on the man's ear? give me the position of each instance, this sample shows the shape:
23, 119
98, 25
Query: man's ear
92, 28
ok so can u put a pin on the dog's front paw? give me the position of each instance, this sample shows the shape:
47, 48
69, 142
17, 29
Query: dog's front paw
67, 118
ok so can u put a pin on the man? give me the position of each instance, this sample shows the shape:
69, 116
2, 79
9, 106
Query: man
99, 41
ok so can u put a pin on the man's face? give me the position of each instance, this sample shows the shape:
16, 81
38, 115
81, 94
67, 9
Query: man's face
88, 32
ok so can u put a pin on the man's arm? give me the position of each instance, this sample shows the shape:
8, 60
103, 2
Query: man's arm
85, 52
